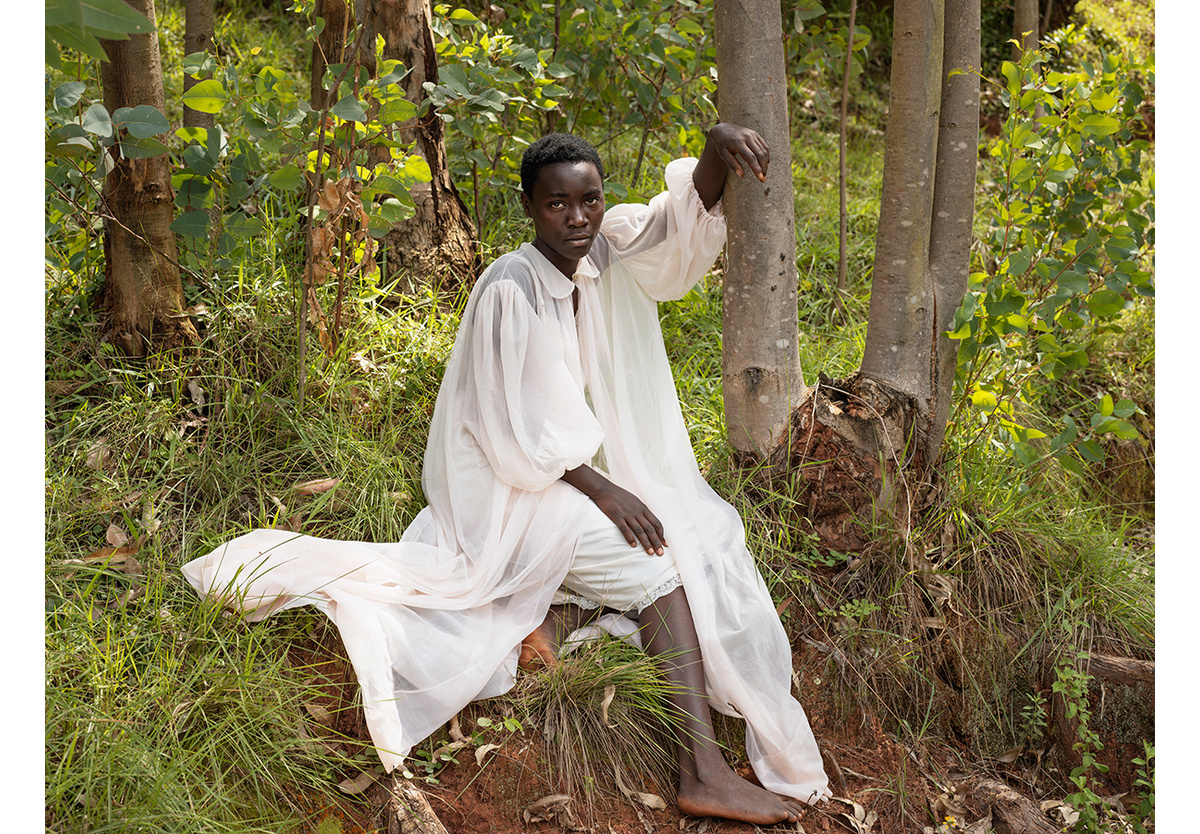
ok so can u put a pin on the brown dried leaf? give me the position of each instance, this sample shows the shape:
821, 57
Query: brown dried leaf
610, 692
309, 488
358, 784
115, 536
100, 456
118, 558
481, 752
320, 714
545, 808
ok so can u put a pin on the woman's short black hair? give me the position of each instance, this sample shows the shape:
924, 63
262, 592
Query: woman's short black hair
553, 148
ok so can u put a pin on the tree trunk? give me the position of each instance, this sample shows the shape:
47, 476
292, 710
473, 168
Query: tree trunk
950, 231
142, 292
865, 446
439, 241
760, 363
1025, 26
197, 37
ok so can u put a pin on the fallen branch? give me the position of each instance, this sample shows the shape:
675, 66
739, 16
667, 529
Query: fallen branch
408, 811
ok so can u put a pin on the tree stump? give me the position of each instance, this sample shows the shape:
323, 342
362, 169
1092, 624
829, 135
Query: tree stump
1012, 812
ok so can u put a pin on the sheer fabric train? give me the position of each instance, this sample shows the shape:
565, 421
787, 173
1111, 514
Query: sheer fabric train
531, 390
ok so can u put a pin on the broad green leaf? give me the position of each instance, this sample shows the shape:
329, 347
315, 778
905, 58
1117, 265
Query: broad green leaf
193, 192
287, 178
1072, 465
1102, 99
463, 16
984, 400
1106, 405
1106, 303
1098, 124
195, 157
68, 94
349, 108
1092, 451
97, 122
142, 121
133, 147
241, 226
191, 224
206, 97
397, 110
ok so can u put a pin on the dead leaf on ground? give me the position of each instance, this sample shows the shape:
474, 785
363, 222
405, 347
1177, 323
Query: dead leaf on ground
115, 536
119, 558
610, 692
860, 819
358, 784
309, 488
99, 456
320, 714
481, 752
546, 808
197, 393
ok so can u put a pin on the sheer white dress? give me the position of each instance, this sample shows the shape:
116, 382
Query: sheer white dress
532, 389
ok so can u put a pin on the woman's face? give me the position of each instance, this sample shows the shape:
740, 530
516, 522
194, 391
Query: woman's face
567, 207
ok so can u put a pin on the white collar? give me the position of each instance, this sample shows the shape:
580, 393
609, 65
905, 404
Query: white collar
559, 285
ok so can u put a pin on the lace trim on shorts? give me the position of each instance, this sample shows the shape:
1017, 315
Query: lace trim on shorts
661, 590
583, 602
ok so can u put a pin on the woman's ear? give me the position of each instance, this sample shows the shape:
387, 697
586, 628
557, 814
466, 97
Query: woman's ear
525, 204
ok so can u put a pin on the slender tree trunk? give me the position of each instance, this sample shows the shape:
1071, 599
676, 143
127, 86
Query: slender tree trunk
439, 242
760, 359
842, 173
899, 345
1025, 26
950, 231
142, 291
197, 37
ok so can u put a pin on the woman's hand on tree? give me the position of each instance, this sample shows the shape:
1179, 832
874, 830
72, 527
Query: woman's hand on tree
729, 147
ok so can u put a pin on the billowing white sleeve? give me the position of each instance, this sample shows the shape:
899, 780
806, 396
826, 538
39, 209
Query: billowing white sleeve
530, 418
669, 244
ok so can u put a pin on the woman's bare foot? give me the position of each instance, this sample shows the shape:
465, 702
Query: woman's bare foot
541, 646
725, 794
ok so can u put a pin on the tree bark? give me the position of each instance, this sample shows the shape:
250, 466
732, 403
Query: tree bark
899, 344
408, 811
762, 379
439, 241
864, 447
1025, 26
950, 231
197, 37
142, 292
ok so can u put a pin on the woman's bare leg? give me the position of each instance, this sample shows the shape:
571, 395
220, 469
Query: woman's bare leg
707, 785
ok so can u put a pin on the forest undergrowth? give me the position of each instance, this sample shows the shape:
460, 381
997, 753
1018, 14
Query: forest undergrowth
969, 624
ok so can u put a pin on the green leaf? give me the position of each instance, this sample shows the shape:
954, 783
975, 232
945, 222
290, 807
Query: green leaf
1105, 303
206, 97
97, 122
287, 178
349, 109
142, 121
193, 192
1098, 124
68, 94
191, 224
984, 400
133, 147
241, 226
397, 110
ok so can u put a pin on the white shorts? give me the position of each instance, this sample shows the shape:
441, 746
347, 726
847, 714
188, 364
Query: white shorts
608, 572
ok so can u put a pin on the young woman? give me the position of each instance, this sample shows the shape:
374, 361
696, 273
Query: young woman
561, 484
